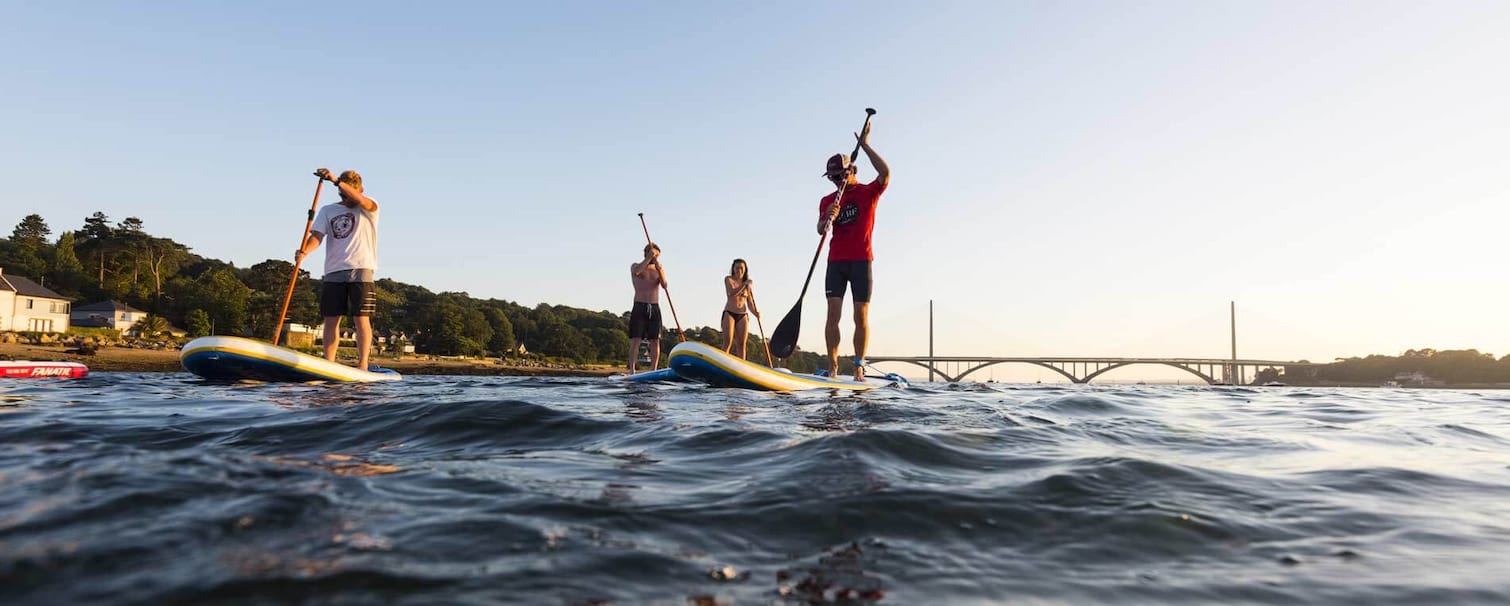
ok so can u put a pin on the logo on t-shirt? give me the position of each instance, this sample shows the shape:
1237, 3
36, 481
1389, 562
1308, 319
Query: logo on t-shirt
341, 226
849, 213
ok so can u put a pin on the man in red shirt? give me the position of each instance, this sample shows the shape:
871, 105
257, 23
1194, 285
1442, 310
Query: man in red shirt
849, 253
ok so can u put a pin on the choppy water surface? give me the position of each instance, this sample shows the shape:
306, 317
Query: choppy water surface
160, 489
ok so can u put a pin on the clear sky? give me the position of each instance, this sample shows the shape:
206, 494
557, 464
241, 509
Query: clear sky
1069, 178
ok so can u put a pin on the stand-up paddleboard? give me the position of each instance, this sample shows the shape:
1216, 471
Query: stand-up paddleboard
237, 359
22, 369
706, 364
659, 375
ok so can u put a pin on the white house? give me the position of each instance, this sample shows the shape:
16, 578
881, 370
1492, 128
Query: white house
28, 306
107, 314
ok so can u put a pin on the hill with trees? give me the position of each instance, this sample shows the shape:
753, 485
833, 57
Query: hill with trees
102, 260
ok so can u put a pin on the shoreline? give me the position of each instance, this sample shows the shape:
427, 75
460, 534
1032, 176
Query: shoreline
127, 359
130, 359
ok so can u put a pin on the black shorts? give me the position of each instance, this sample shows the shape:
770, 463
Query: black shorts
347, 299
645, 321
842, 274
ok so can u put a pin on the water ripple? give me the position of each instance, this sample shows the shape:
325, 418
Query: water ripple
151, 489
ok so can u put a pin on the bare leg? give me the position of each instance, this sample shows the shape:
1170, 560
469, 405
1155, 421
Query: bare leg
727, 326
742, 335
655, 354
634, 354
364, 340
831, 333
862, 335
332, 337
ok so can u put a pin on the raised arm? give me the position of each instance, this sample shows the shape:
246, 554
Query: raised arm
362, 200
348, 191
883, 172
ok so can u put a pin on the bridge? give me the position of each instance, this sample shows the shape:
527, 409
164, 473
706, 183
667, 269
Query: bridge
1215, 371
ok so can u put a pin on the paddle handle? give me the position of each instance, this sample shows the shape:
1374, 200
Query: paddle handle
855, 153
288, 296
680, 336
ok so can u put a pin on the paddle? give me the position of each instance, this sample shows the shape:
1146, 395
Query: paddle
784, 339
769, 361
679, 334
288, 296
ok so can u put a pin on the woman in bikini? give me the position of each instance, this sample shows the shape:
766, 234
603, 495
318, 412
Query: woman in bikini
739, 304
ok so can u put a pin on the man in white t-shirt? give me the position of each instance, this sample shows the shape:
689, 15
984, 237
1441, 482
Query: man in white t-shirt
350, 262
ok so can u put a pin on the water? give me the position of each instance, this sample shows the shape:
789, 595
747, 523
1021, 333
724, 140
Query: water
159, 489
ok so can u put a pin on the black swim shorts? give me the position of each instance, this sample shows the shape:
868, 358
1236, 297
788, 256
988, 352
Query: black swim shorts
645, 321
842, 274
354, 299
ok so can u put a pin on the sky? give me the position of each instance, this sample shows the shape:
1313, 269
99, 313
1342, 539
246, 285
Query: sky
1068, 178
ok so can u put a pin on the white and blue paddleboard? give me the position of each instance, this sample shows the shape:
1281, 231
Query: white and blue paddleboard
659, 375
238, 359
711, 365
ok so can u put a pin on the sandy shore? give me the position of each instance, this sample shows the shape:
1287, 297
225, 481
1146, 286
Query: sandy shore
121, 359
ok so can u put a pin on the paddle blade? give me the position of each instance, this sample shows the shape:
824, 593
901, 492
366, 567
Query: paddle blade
784, 338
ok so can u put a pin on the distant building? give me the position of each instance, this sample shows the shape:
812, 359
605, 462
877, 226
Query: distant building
31, 307
107, 314
298, 335
1416, 378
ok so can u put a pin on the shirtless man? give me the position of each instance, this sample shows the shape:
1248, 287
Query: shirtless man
648, 278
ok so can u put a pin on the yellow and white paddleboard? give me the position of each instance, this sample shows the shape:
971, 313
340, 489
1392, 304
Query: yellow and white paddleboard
711, 365
237, 359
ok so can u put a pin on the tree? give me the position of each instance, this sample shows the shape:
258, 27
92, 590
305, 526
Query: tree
197, 322
130, 237
525, 330
151, 326
97, 235
561, 340
31, 230
502, 343
162, 255
67, 272
28, 255
609, 345
449, 329
221, 292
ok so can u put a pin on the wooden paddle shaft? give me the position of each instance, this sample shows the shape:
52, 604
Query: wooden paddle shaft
294, 279
768, 360
681, 336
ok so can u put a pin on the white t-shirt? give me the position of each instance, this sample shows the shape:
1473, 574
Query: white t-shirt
350, 237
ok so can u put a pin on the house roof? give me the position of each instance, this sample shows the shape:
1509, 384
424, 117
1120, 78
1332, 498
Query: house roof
24, 286
111, 305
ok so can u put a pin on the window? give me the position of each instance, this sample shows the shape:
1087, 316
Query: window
29, 303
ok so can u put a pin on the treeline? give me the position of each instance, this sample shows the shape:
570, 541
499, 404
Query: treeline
103, 260
1453, 367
